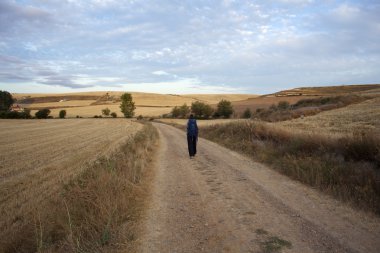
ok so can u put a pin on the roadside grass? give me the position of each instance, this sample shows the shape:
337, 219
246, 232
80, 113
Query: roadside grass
98, 210
347, 167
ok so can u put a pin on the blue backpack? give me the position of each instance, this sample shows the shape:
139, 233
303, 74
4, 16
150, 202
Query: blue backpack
192, 128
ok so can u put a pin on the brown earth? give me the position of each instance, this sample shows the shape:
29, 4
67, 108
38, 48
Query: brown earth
224, 202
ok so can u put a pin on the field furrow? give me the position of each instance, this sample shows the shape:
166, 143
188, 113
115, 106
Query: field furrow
38, 155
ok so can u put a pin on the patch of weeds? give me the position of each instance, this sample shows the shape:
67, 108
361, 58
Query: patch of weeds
261, 231
275, 244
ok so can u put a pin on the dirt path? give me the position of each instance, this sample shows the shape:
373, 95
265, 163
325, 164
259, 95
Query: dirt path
224, 202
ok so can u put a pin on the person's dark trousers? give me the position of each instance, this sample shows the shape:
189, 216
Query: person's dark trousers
192, 144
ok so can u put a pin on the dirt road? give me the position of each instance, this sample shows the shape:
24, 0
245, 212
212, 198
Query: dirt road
224, 202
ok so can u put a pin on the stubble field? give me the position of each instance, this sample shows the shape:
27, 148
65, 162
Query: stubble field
37, 156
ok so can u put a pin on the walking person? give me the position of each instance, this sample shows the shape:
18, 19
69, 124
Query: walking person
192, 136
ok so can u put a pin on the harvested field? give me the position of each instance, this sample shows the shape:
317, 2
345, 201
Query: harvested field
37, 156
360, 117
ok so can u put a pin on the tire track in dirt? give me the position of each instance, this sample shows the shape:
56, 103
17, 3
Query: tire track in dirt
224, 202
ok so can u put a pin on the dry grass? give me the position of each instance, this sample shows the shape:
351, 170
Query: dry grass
38, 156
362, 117
346, 166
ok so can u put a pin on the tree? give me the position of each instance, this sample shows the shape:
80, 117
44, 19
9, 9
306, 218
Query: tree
247, 114
127, 105
106, 111
184, 110
224, 108
113, 114
180, 111
6, 100
176, 112
201, 110
42, 114
62, 114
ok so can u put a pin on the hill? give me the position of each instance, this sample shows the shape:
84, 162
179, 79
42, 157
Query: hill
294, 95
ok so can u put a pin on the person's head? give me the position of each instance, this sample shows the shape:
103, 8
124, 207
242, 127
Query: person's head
191, 116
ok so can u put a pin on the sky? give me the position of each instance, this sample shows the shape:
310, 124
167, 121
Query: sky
193, 46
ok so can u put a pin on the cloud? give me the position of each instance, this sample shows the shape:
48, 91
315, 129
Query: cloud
160, 73
212, 44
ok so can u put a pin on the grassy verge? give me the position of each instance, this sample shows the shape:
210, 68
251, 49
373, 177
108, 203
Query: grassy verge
97, 211
346, 167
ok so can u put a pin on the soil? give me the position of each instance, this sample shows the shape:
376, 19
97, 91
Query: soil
221, 201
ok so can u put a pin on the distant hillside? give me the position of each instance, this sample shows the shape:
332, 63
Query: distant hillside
294, 95
329, 90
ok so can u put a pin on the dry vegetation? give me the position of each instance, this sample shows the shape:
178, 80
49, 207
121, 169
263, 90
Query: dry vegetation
68, 184
362, 117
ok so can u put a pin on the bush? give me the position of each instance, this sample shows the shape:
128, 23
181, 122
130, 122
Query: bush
247, 114
283, 105
140, 117
62, 114
42, 114
6, 100
113, 114
106, 112
224, 108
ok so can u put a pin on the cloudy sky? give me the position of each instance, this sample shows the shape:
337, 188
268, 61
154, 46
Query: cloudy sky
193, 46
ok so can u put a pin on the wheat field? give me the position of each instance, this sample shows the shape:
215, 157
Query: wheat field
37, 156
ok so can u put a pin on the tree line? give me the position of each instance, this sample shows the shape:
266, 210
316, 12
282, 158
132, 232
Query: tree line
202, 110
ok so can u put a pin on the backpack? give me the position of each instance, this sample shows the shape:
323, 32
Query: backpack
192, 127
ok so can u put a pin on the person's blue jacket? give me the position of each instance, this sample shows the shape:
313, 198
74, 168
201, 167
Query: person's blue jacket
192, 128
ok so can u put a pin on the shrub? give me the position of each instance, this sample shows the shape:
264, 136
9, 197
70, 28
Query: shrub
6, 100
106, 112
224, 108
42, 114
283, 105
113, 114
247, 114
140, 117
62, 114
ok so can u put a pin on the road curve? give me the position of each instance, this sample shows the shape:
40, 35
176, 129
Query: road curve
224, 202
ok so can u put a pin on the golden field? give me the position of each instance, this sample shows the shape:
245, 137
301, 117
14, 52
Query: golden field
37, 156
360, 117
